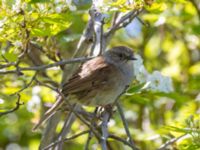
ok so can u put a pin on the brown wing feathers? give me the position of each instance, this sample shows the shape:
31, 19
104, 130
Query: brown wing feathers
88, 77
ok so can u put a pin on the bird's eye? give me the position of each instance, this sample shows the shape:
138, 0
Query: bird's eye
120, 55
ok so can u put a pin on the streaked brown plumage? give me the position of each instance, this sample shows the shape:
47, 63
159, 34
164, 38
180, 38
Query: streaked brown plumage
99, 81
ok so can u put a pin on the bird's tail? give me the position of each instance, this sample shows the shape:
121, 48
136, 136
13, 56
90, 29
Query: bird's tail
49, 113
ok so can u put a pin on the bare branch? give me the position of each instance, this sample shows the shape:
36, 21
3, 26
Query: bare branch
27, 85
70, 118
18, 104
170, 142
112, 136
43, 67
98, 21
125, 125
104, 129
88, 141
123, 22
45, 85
66, 139
8, 64
146, 24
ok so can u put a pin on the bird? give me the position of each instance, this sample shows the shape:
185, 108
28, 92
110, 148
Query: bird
98, 82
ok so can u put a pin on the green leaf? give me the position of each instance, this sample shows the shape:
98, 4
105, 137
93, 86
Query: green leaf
40, 1
136, 88
51, 24
10, 56
157, 7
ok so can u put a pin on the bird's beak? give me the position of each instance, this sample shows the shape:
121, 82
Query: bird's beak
133, 58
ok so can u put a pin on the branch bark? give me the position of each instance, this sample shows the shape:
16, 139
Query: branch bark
18, 104
44, 67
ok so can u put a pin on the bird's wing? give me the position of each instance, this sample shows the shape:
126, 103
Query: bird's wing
95, 73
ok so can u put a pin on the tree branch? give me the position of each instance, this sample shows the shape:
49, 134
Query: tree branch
126, 126
18, 104
104, 129
98, 21
112, 136
66, 139
123, 21
27, 85
43, 67
170, 142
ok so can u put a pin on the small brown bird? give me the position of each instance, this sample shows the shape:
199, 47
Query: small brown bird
99, 81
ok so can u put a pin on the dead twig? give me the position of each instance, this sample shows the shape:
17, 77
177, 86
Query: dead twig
123, 22
88, 141
18, 104
112, 136
170, 142
43, 67
26, 86
66, 139
120, 110
104, 129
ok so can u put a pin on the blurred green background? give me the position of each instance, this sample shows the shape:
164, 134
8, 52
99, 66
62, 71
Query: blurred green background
167, 39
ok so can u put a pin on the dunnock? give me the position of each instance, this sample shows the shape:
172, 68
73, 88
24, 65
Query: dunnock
99, 81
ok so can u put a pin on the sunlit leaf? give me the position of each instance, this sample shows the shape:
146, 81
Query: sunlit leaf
39, 1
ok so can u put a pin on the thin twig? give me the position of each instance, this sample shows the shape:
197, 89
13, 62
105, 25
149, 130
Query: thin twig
66, 139
8, 64
90, 126
18, 104
43, 67
146, 24
88, 141
104, 129
45, 85
125, 125
111, 136
79, 116
27, 85
170, 142
124, 21
70, 118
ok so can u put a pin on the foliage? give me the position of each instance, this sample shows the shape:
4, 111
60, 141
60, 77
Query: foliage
166, 36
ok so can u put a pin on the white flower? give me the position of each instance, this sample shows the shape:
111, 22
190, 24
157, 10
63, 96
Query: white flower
12, 146
58, 9
71, 7
160, 21
1, 101
158, 82
142, 74
155, 81
139, 70
36, 90
56, 1
137, 64
198, 98
98, 3
3, 21
16, 7
34, 104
